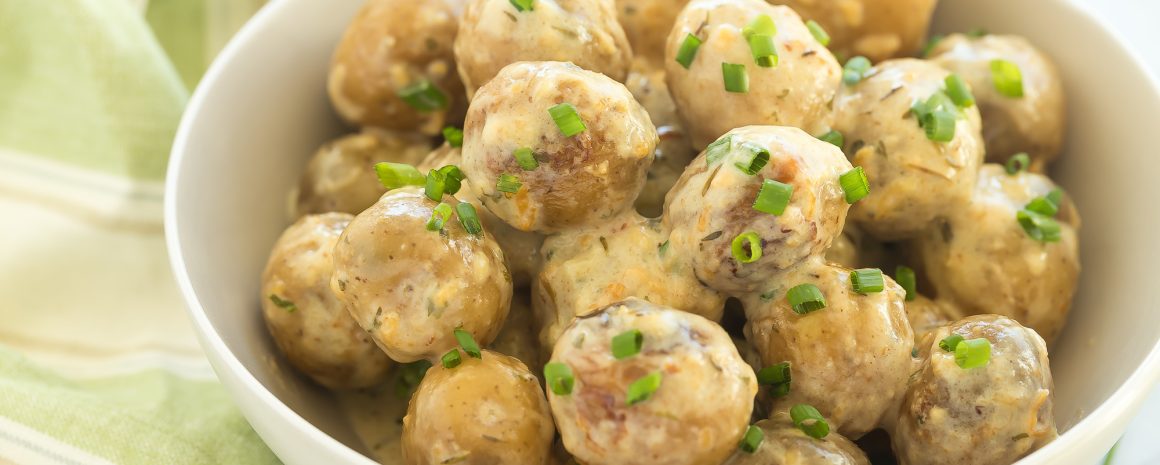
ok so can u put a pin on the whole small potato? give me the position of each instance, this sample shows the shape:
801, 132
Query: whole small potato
785, 444
340, 177
877, 29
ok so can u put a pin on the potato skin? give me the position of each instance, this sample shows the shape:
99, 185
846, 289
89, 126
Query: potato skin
695, 417
674, 151
798, 92
494, 34
411, 288
486, 411
316, 335
877, 29
607, 161
647, 24
390, 45
785, 444
340, 177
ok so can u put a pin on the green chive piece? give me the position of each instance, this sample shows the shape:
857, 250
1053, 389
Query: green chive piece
976, 33
905, 277
663, 248
763, 49
469, 218
424, 96
818, 32
436, 184
410, 375
939, 125
805, 298
453, 136
508, 184
283, 304
526, 159
855, 70
451, 359
973, 353
747, 247
627, 344
1017, 163
752, 439
758, 158
567, 119
688, 50
959, 92
930, 45
949, 343
809, 420
467, 343
1055, 197
773, 197
1047, 205
643, 388
452, 179
736, 79
1039, 226
774, 374
522, 5
833, 137
1007, 78
867, 280
762, 24
719, 148
396, 175
559, 379
855, 184
439, 217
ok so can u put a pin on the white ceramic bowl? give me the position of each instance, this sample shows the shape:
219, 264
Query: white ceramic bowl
262, 109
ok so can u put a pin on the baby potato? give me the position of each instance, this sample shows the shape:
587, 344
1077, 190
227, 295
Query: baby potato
674, 151
647, 24
340, 177
410, 288
785, 444
926, 315
877, 29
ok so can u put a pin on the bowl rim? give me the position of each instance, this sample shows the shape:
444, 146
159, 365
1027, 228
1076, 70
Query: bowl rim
1128, 396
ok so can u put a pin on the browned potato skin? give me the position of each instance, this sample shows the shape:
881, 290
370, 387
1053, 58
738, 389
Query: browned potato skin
340, 177
647, 23
877, 29
785, 444
695, 417
318, 336
487, 411
607, 161
991, 415
389, 45
494, 34
850, 360
411, 288
926, 315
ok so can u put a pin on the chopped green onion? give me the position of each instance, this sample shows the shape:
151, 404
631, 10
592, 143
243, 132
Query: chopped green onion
939, 125
736, 79
559, 379
762, 24
283, 304
567, 119
1055, 197
855, 70
759, 157
973, 353
452, 179
959, 92
688, 50
451, 359
763, 49
453, 136
833, 137
396, 175
522, 5
818, 32
436, 184
1040, 227
467, 342
855, 184
424, 96
773, 197
526, 159
1017, 163
949, 343
439, 217
508, 184
905, 277
410, 375
663, 248
747, 247
930, 45
1007, 78
627, 344
867, 280
976, 33
1046, 205
643, 388
719, 148
752, 439
805, 298
469, 218
809, 420
774, 374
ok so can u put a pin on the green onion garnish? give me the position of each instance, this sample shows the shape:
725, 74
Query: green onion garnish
855, 184
809, 420
435, 185
663, 248
627, 344
567, 119
905, 277
439, 217
867, 280
396, 175
643, 388
939, 125
747, 247
777, 377
508, 184
1007, 78
558, 377
759, 157
973, 353
855, 70
818, 32
410, 375
1046, 205
752, 439
773, 197
452, 179
719, 148
469, 218
763, 49
833, 137
976, 33
959, 92
526, 159
1017, 163
453, 136
424, 96
522, 5
736, 79
451, 359
762, 24
930, 45
467, 342
688, 50
805, 298
1039, 226
949, 343
283, 303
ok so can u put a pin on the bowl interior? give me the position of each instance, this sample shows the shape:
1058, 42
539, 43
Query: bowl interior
262, 111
